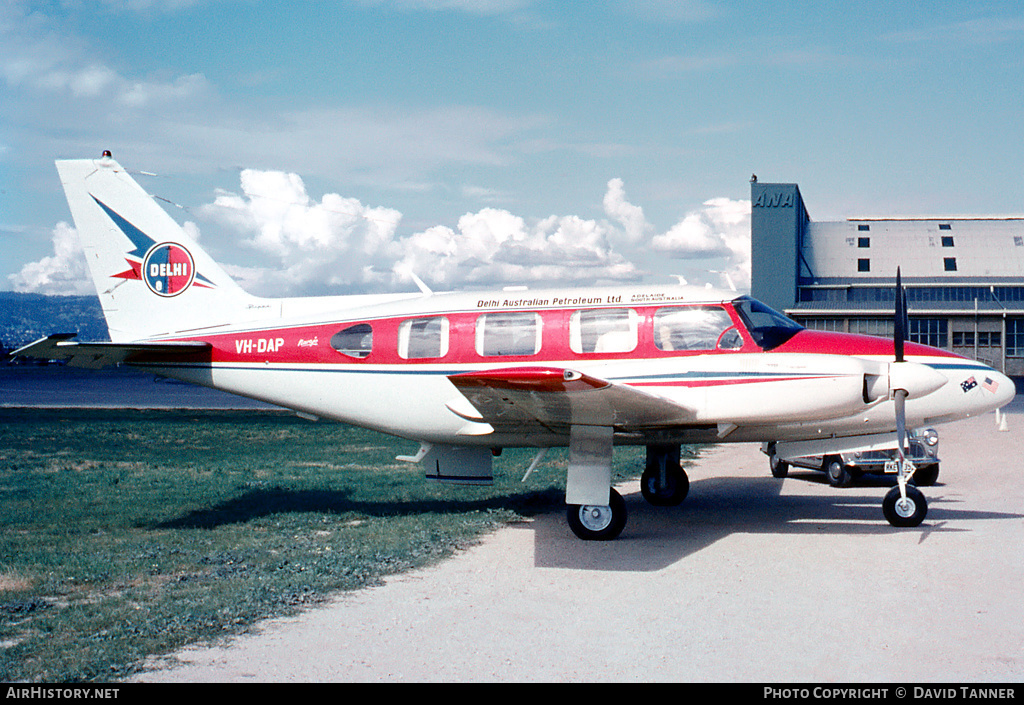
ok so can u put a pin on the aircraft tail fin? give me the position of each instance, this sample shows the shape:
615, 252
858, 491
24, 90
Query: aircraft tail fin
153, 280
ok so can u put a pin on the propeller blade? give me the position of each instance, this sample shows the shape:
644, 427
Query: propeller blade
900, 318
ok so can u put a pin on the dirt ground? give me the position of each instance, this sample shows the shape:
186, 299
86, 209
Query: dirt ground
750, 579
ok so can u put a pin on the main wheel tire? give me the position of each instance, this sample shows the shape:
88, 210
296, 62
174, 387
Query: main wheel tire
926, 476
838, 474
672, 493
779, 467
596, 523
905, 514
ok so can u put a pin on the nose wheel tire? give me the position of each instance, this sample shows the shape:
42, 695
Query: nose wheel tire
596, 523
905, 513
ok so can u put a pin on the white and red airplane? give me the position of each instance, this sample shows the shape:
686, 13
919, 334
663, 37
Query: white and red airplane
467, 374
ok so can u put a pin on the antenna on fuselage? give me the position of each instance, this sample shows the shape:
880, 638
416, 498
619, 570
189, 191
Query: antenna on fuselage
419, 282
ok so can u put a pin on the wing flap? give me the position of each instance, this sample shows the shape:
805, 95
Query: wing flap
557, 398
97, 355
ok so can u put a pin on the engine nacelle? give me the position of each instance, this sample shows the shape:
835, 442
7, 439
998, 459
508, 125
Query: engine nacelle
914, 378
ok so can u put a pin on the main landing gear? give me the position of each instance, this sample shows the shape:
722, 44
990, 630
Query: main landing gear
663, 484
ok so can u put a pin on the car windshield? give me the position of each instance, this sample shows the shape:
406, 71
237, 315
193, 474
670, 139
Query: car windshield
767, 327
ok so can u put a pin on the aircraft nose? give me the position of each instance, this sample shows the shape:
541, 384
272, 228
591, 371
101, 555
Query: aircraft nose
1002, 387
987, 390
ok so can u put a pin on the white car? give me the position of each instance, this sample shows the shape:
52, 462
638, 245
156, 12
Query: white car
843, 468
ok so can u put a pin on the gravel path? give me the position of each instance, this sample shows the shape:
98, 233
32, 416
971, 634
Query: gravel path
751, 579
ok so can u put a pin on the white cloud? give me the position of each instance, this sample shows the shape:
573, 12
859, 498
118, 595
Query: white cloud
317, 246
631, 217
495, 247
64, 272
311, 244
314, 246
721, 228
305, 246
40, 58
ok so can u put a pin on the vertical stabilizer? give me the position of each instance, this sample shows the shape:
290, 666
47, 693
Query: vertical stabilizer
152, 278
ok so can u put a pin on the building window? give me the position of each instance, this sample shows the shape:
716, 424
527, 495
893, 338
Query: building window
863, 265
881, 327
863, 228
863, 242
1018, 240
944, 226
837, 325
929, 331
1015, 337
947, 240
949, 264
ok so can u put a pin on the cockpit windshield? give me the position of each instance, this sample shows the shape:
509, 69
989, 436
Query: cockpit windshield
767, 327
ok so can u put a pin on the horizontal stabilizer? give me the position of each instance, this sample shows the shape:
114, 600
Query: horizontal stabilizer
97, 355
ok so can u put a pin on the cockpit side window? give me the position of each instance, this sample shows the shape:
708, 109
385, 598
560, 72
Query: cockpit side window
767, 327
695, 328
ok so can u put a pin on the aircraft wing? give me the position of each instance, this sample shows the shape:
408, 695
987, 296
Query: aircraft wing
97, 355
558, 398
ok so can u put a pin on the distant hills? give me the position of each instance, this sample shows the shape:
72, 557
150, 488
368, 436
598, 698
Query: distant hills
28, 317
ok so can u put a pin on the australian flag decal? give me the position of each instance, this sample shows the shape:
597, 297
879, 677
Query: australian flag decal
968, 385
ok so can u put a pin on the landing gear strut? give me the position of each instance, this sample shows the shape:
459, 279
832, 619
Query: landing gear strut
904, 505
664, 482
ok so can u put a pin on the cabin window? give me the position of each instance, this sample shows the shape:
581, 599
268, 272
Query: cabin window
607, 330
354, 341
422, 338
508, 334
695, 328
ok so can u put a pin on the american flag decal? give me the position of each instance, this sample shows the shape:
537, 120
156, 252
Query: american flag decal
990, 384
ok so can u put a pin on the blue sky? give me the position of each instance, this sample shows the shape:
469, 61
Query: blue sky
329, 147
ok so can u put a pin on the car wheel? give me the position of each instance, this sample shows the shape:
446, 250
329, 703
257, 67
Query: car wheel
838, 474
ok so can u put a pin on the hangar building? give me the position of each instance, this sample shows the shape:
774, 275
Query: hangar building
964, 276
